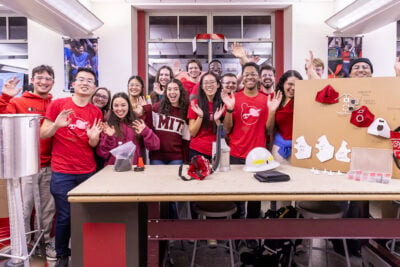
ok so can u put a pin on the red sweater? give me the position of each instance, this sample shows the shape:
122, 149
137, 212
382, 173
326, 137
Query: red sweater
173, 132
107, 143
29, 103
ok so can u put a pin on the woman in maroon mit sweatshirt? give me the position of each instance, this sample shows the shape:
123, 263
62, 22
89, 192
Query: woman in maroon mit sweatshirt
170, 125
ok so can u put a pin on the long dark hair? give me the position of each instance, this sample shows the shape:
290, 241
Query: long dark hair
171, 73
166, 106
202, 101
136, 77
128, 119
282, 80
107, 106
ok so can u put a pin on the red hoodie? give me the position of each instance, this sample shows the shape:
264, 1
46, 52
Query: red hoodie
29, 103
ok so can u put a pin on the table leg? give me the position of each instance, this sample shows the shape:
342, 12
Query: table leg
153, 250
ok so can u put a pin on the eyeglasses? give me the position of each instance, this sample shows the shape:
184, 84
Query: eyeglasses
47, 79
82, 80
209, 83
104, 97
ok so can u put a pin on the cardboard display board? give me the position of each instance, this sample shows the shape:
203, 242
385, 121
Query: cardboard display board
313, 119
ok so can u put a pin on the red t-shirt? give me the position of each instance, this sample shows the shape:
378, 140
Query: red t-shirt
188, 85
249, 120
284, 120
71, 150
195, 89
202, 142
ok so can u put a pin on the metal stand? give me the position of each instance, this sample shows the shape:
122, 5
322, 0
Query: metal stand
19, 251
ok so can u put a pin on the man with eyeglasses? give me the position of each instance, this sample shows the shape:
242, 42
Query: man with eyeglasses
214, 66
245, 122
75, 125
36, 103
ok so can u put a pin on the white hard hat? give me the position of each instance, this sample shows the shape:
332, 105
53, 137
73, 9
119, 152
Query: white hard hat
260, 159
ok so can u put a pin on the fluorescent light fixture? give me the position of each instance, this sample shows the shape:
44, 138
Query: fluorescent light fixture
75, 12
357, 11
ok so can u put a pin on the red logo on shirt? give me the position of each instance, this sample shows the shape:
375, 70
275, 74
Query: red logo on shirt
250, 114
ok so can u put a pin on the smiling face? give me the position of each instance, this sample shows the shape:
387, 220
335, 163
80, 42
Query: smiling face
164, 77
209, 86
42, 83
250, 78
100, 98
361, 70
215, 67
194, 70
268, 78
84, 84
173, 94
120, 107
134, 88
229, 84
288, 87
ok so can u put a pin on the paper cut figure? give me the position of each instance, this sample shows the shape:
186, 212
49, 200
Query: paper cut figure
342, 153
303, 149
326, 150
380, 128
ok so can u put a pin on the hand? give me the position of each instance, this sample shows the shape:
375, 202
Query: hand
396, 67
62, 119
142, 101
238, 51
274, 102
197, 109
110, 131
218, 113
138, 126
228, 99
254, 59
157, 88
9, 87
312, 75
94, 131
138, 106
176, 66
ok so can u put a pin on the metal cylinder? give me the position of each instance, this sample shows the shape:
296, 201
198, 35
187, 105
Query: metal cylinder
19, 145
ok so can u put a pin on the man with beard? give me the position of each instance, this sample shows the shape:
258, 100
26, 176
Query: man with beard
267, 79
245, 122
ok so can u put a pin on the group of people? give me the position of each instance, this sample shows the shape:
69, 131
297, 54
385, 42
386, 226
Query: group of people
177, 122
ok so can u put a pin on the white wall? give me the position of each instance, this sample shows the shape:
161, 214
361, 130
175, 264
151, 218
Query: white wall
46, 47
309, 32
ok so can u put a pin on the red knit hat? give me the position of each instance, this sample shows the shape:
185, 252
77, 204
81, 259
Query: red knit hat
328, 95
362, 117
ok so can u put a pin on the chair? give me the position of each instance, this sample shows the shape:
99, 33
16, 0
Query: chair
214, 210
322, 210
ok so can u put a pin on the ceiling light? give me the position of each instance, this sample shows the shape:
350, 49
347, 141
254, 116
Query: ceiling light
74, 11
358, 11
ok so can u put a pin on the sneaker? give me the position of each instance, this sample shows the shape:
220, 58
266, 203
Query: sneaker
62, 261
212, 243
51, 254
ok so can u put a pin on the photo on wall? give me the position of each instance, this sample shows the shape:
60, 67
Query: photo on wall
341, 50
79, 53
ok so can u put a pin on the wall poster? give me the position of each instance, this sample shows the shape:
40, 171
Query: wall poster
341, 50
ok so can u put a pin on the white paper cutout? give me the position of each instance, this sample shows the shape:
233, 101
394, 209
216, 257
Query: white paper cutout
380, 128
342, 153
303, 149
326, 150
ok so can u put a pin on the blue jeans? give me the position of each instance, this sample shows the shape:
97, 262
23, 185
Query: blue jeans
61, 184
166, 162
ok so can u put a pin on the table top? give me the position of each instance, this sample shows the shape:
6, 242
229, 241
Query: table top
162, 183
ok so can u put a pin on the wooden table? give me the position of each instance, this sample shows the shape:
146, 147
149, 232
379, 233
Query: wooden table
110, 204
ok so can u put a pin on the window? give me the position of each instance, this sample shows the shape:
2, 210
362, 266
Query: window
17, 28
169, 40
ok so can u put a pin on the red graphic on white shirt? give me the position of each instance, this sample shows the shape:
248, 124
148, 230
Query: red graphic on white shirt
250, 114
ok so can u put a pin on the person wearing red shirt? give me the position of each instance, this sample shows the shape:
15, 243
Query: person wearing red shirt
193, 74
245, 121
37, 103
280, 117
75, 125
204, 114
